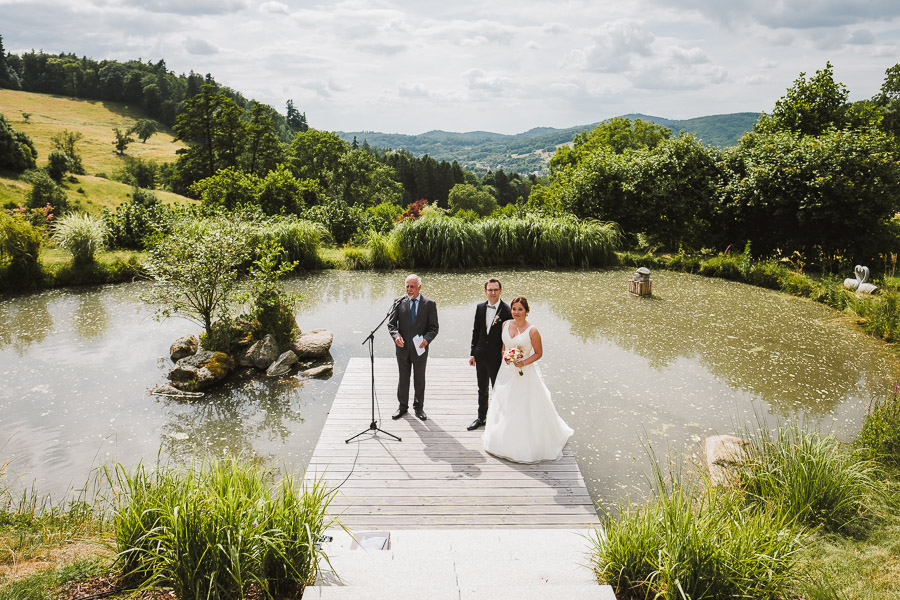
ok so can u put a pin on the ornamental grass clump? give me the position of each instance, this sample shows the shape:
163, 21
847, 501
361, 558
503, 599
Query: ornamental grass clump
218, 530
695, 541
809, 478
80, 234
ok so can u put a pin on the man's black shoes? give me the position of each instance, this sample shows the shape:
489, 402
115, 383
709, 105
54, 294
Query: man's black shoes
400, 412
476, 424
420, 414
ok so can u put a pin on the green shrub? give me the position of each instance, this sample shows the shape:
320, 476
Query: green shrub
342, 220
224, 336
137, 224
691, 542
20, 246
57, 165
726, 266
45, 191
880, 434
218, 529
809, 478
138, 172
17, 151
383, 216
80, 234
768, 274
799, 284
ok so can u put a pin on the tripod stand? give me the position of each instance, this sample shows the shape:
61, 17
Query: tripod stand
373, 426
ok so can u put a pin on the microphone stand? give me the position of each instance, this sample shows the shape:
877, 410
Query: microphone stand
373, 426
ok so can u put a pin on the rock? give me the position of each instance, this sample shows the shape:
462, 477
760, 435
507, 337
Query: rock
200, 371
165, 390
723, 452
317, 371
184, 346
313, 344
264, 352
282, 364
243, 358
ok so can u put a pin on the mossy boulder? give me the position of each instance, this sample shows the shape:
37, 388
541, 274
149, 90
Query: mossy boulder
200, 371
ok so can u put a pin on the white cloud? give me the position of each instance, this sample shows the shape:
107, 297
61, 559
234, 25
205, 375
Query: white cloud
195, 46
415, 65
189, 7
478, 80
861, 37
274, 8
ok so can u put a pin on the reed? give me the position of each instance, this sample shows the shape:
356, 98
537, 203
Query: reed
219, 529
381, 250
695, 541
530, 241
809, 478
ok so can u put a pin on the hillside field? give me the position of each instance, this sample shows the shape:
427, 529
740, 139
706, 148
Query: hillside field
49, 115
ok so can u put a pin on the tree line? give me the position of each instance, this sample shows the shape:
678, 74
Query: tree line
818, 176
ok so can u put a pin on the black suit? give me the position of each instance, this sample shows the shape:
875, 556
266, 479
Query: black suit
486, 348
400, 325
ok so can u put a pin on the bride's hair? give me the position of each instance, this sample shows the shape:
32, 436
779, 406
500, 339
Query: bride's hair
521, 300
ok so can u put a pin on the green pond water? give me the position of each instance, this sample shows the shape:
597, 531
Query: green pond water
703, 356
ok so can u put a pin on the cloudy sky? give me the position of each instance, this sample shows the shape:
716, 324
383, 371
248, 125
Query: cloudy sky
410, 66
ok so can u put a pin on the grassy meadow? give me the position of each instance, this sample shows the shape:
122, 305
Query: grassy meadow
49, 115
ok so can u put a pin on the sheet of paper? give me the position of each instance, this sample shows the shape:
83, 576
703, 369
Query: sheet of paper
417, 341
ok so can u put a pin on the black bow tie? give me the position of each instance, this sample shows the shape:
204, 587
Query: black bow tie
492, 307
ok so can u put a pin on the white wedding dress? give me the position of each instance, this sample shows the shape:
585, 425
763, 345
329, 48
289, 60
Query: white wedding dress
522, 424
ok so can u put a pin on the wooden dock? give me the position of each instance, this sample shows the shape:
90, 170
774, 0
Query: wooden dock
438, 476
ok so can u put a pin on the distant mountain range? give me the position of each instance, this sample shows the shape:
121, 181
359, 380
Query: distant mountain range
531, 151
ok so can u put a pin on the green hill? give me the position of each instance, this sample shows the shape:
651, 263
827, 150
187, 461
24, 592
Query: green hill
49, 115
531, 150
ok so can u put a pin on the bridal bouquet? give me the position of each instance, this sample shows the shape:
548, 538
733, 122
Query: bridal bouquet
512, 355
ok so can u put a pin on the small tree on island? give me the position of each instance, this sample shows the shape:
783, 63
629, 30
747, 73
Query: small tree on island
196, 269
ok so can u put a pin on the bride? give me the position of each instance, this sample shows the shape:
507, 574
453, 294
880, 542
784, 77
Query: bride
522, 424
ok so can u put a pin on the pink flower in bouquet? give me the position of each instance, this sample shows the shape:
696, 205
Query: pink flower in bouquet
512, 355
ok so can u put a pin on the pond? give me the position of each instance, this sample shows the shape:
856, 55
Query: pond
703, 356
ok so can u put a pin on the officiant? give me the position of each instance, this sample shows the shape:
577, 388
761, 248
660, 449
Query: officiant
413, 325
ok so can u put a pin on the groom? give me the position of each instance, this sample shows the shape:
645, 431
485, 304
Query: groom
487, 344
413, 325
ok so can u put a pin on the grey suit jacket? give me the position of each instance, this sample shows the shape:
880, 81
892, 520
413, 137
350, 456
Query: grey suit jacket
400, 325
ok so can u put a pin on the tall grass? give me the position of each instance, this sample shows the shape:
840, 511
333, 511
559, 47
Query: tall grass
809, 478
533, 241
695, 541
31, 522
82, 235
299, 239
880, 434
218, 530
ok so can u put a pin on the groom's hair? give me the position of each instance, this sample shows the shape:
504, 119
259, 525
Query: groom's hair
493, 280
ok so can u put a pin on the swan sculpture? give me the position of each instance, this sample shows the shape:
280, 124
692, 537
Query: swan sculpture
859, 283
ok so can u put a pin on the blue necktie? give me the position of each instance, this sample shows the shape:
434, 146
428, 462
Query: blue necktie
412, 310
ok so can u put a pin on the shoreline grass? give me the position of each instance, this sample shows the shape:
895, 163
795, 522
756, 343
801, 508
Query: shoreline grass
219, 529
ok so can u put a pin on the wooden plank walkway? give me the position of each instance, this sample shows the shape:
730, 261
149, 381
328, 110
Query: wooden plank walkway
438, 476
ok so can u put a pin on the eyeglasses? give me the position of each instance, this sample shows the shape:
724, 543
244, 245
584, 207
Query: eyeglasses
492, 290
411, 286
